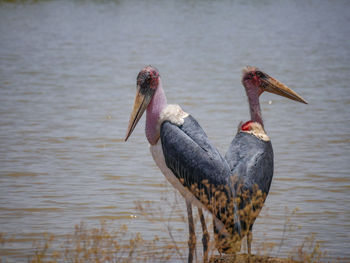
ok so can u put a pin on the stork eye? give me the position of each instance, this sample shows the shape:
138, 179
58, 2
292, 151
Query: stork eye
260, 74
248, 76
148, 77
154, 74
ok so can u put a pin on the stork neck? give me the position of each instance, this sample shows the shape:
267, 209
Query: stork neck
157, 104
253, 98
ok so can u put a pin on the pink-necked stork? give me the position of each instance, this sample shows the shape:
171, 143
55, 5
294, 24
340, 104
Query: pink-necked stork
184, 154
250, 155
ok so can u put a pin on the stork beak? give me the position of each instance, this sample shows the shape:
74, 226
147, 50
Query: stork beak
272, 85
140, 105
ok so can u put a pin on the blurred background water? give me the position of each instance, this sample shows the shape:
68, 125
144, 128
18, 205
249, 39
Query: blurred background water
67, 80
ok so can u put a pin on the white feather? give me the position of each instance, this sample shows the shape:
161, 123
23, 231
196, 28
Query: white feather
172, 113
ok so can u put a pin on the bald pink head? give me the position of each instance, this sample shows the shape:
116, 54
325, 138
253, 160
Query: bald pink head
256, 82
251, 80
149, 97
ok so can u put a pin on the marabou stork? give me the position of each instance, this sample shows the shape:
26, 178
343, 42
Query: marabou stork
184, 154
250, 154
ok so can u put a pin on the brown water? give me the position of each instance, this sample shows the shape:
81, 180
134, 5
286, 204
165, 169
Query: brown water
67, 81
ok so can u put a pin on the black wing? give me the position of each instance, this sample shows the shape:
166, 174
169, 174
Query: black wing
199, 166
251, 163
190, 155
251, 160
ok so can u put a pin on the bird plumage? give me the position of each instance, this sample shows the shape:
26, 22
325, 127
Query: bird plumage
190, 155
251, 162
199, 166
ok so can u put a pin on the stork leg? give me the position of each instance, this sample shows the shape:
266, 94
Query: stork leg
192, 234
205, 238
249, 243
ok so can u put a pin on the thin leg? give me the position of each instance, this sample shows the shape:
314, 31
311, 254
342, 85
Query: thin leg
192, 234
249, 243
205, 238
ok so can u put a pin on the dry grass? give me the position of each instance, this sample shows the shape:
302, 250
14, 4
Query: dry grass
108, 244
101, 244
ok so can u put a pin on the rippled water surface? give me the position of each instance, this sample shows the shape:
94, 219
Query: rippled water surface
67, 81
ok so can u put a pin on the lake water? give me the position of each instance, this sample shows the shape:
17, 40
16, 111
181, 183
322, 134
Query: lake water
67, 81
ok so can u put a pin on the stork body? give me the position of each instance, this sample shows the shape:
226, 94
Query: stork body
251, 161
184, 154
190, 163
190, 157
250, 155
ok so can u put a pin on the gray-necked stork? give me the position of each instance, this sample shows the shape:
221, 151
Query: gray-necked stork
250, 154
184, 154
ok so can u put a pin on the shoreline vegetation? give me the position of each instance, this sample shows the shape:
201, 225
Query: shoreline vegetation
106, 243
243, 258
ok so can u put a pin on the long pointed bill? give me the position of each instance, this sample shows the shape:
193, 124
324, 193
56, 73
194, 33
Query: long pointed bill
274, 86
140, 105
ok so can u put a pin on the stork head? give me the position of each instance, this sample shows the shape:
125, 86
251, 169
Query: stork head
147, 84
256, 81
